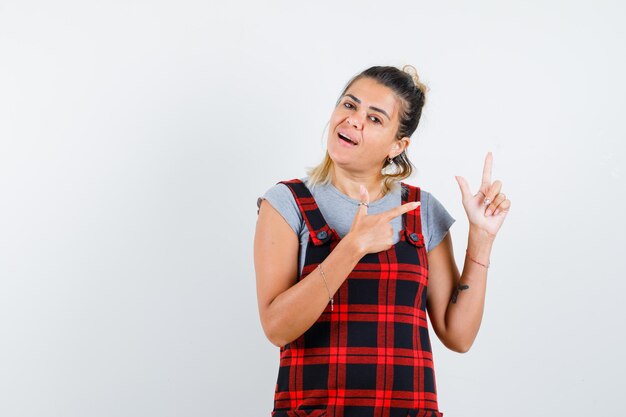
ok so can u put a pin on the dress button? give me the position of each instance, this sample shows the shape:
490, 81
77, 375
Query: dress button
414, 237
322, 235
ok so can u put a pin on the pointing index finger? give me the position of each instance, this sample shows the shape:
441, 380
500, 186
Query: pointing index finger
398, 211
487, 170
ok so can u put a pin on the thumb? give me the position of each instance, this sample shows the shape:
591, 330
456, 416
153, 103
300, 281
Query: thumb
362, 210
365, 198
465, 190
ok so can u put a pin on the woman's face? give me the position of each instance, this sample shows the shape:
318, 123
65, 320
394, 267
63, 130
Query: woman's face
363, 127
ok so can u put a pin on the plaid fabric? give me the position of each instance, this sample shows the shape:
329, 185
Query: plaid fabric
371, 356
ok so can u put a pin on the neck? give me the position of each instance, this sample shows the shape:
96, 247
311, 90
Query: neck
348, 183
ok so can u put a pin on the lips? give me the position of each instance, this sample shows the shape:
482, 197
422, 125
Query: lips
346, 138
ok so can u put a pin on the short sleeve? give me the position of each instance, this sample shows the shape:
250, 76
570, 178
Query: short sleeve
281, 198
438, 219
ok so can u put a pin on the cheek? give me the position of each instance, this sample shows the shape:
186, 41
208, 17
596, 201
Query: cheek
379, 146
336, 116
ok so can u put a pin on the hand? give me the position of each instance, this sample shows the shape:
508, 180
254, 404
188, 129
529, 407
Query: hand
487, 217
374, 233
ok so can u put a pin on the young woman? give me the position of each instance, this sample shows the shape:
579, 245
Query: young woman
350, 259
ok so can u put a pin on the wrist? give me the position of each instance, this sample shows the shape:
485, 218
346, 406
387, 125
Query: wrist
480, 236
469, 256
479, 244
352, 246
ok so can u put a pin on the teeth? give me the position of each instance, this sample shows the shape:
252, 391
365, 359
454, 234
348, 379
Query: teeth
341, 135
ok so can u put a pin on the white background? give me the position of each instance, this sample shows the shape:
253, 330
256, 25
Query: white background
136, 136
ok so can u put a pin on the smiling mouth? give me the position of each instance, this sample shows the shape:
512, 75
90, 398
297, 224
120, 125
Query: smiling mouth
346, 139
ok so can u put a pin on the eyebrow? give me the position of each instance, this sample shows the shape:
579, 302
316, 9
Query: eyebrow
378, 109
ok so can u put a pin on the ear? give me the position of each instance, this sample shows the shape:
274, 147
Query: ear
399, 146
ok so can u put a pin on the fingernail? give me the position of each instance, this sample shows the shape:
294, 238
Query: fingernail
362, 188
488, 213
496, 212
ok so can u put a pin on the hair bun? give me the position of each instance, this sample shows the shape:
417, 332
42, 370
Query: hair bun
410, 69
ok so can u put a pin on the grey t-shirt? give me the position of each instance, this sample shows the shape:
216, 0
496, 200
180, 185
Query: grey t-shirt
338, 210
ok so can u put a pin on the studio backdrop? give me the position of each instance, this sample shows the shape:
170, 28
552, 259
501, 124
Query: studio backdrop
136, 137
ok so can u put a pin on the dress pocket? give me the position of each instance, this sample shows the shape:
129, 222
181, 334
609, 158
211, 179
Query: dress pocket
317, 412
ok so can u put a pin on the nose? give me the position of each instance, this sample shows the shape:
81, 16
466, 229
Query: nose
355, 120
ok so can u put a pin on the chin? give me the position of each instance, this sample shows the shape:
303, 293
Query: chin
338, 159
347, 164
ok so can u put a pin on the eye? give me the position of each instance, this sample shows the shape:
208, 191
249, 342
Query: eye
375, 119
348, 105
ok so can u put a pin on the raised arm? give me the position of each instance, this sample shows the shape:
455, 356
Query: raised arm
456, 301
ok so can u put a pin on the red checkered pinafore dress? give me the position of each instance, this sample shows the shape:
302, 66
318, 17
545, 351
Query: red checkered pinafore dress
371, 356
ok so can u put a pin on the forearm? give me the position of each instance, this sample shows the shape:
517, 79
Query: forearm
295, 310
465, 310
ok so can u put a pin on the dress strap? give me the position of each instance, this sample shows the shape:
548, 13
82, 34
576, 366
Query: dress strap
319, 230
412, 220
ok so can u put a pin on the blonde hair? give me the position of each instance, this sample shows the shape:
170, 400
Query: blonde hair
411, 92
